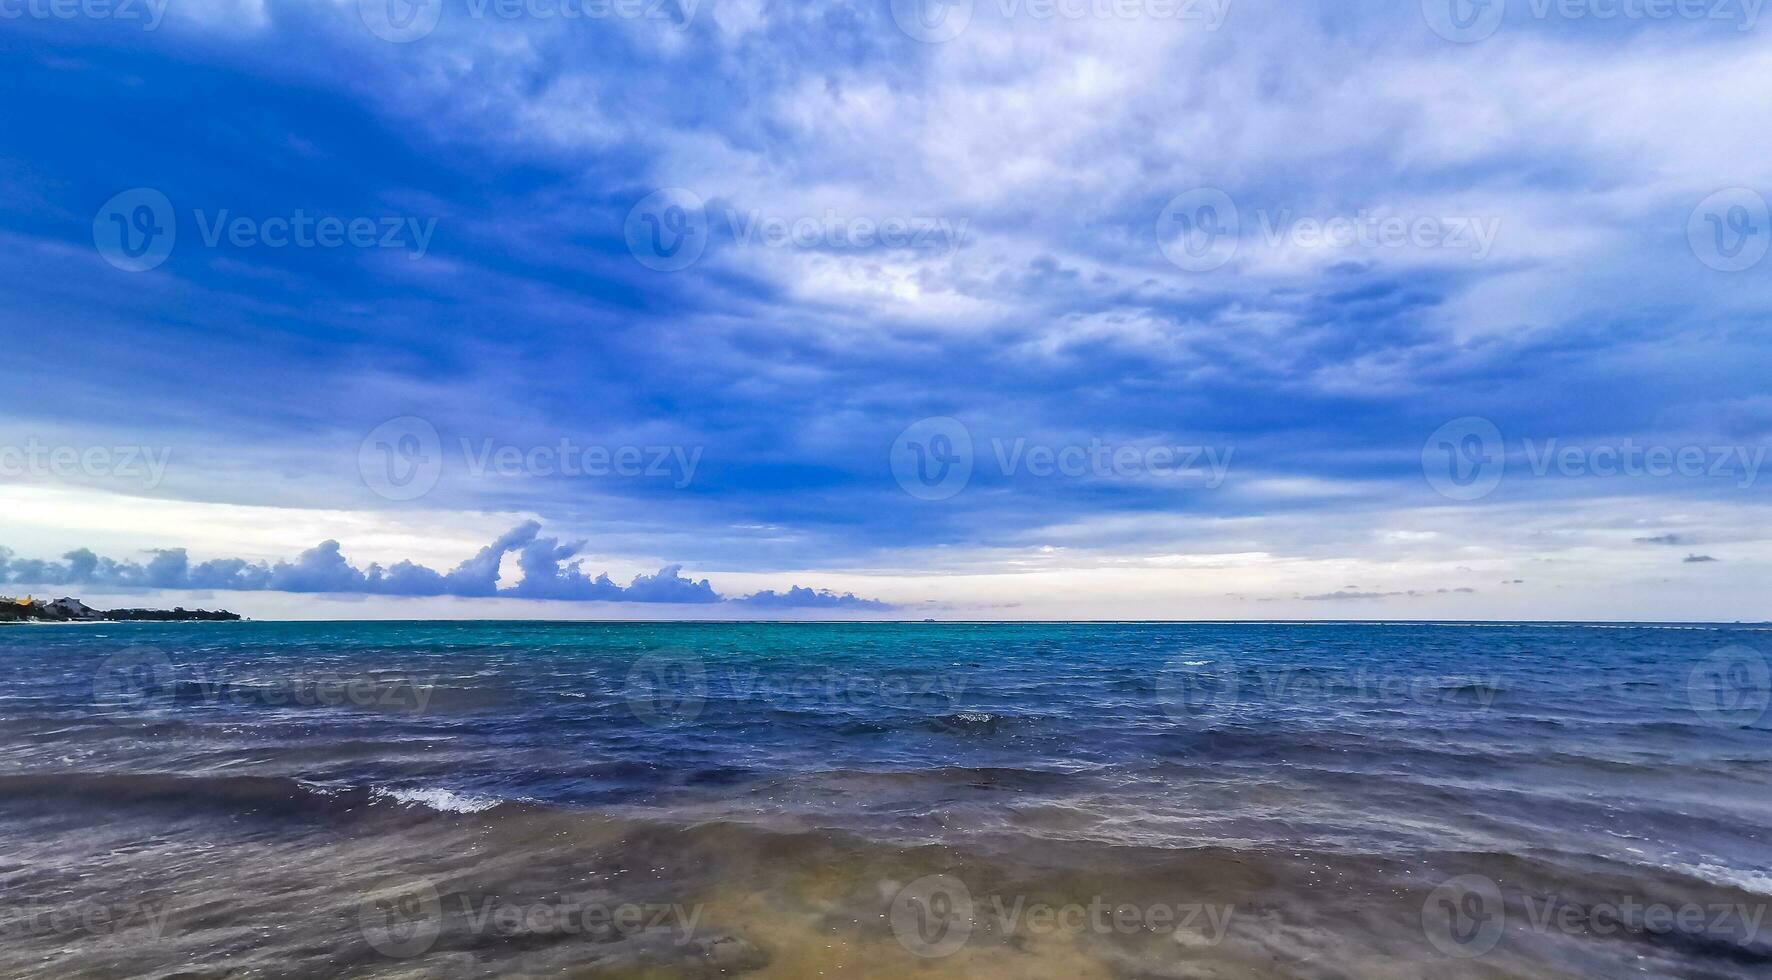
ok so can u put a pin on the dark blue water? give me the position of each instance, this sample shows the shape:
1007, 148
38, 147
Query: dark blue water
1348, 769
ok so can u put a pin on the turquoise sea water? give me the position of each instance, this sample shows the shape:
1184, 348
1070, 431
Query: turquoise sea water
1315, 799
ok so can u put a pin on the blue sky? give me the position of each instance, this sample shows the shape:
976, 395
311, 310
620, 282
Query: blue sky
1142, 309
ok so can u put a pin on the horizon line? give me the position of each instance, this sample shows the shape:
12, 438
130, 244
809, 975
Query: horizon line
970, 622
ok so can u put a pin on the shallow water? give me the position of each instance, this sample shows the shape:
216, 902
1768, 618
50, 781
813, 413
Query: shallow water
1251, 800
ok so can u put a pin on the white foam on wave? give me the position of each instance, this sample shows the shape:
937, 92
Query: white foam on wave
1758, 882
443, 800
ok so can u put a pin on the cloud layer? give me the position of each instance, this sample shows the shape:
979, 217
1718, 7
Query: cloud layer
1548, 179
323, 569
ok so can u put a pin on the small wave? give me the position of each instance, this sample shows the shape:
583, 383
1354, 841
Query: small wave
971, 722
279, 795
441, 800
1758, 882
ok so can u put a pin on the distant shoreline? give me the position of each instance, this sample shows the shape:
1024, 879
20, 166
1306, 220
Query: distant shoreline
70, 610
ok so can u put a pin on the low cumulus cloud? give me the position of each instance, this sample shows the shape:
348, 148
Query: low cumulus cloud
550, 571
799, 597
1352, 593
1697, 559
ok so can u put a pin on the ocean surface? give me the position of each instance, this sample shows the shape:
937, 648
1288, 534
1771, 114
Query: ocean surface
885, 800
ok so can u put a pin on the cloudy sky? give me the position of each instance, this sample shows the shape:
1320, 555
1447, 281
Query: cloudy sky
976, 309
